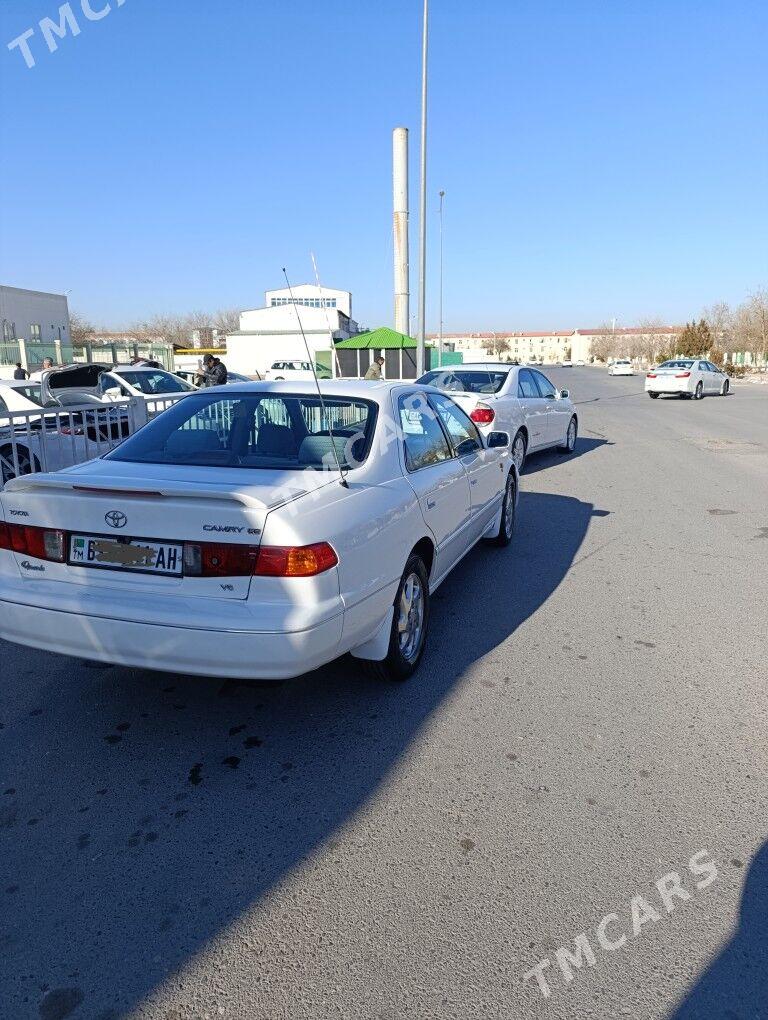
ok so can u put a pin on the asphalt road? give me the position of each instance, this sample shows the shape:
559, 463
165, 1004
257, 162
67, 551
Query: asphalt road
591, 715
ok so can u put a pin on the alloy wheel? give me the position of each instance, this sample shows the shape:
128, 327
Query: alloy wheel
410, 624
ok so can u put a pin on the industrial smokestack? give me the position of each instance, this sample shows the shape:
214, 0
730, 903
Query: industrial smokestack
400, 227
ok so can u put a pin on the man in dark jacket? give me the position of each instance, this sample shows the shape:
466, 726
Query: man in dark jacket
19, 372
213, 372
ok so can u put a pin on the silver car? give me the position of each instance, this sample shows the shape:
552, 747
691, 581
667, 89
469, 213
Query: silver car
517, 399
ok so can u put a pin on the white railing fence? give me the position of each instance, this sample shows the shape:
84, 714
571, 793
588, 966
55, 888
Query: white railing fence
55, 438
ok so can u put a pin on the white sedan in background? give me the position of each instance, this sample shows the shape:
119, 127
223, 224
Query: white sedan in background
621, 367
518, 399
300, 371
255, 531
687, 377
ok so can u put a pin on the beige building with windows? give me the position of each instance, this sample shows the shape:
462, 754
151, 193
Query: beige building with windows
552, 347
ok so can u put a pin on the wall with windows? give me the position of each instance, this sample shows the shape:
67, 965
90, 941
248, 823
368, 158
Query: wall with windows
33, 315
308, 295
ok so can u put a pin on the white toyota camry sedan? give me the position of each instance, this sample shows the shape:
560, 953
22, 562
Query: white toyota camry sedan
687, 377
518, 399
255, 531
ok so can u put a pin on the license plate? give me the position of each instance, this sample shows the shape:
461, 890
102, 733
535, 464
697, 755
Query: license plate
130, 554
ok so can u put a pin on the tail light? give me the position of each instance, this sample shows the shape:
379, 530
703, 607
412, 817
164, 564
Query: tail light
215, 559
39, 543
483, 414
211, 559
71, 430
295, 561
682, 375
650, 375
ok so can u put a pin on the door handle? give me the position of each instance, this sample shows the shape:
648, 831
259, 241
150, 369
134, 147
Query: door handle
431, 504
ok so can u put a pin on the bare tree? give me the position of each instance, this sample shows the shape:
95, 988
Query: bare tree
496, 345
226, 320
751, 326
603, 345
719, 318
80, 328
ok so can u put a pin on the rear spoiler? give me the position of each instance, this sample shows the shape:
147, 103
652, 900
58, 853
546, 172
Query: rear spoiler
123, 490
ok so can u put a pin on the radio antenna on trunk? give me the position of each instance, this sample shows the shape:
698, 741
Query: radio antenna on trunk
311, 360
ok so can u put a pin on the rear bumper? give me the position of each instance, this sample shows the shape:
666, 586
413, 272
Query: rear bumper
205, 651
667, 386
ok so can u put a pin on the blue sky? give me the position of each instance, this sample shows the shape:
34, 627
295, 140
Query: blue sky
599, 159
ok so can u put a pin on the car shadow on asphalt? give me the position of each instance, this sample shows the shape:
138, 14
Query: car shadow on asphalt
148, 812
735, 985
549, 458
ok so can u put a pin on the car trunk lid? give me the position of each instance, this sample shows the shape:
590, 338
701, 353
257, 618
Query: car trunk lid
136, 533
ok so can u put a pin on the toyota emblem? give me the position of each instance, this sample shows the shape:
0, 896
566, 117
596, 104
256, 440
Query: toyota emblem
116, 519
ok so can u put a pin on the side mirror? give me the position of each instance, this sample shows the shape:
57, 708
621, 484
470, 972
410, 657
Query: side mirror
565, 394
497, 440
113, 391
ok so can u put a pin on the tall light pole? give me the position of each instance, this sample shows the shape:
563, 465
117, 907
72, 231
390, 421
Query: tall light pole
440, 339
420, 342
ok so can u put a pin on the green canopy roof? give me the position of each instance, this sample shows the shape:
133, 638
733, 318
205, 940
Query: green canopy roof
384, 339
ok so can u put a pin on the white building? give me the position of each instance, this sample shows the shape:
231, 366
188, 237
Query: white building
273, 332
33, 315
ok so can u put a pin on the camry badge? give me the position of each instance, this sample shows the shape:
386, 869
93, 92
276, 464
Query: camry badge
116, 519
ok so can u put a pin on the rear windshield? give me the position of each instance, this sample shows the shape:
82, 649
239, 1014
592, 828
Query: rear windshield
31, 392
475, 381
676, 364
255, 430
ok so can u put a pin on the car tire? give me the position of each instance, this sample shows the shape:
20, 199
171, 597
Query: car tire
699, 391
570, 436
519, 450
279, 378
508, 514
403, 658
653, 396
725, 388
28, 463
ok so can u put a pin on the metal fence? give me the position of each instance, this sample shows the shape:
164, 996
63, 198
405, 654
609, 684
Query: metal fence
54, 438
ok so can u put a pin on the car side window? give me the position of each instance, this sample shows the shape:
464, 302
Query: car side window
546, 389
423, 438
526, 385
3, 405
461, 430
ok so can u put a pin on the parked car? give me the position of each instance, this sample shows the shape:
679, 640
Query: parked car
518, 399
622, 366
140, 381
567, 363
299, 371
687, 377
253, 531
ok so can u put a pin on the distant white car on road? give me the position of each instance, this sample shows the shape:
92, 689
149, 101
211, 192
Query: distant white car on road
298, 371
221, 540
621, 367
516, 398
693, 378
567, 363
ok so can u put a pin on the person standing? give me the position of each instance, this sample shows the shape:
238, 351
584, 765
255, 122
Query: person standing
213, 372
374, 372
